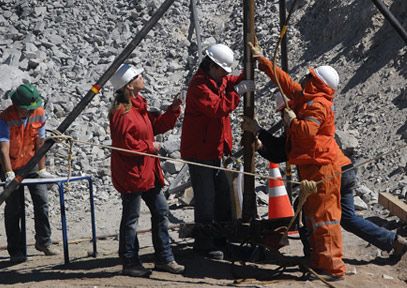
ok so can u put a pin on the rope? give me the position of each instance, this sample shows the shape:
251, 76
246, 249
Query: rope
71, 139
59, 138
311, 271
283, 31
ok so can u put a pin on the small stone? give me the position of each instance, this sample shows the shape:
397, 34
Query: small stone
351, 270
359, 203
387, 277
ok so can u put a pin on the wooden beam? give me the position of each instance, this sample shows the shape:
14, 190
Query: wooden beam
396, 206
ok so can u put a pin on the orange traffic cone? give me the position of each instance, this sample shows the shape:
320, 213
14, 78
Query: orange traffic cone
279, 203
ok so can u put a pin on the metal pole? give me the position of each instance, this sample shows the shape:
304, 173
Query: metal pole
197, 28
24, 171
390, 17
284, 66
283, 19
249, 198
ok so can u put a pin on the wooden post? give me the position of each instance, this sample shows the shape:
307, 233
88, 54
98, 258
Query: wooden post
249, 198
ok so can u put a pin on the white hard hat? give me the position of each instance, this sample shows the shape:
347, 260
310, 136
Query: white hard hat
328, 75
221, 55
124, 75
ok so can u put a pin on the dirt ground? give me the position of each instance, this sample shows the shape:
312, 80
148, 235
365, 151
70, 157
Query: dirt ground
367, 267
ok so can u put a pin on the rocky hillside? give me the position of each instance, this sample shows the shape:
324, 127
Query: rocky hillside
65, 46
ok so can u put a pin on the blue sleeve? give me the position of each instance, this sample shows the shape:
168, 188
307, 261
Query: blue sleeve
4, 131
41, 132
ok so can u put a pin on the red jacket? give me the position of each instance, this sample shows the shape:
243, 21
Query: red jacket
206, 130
22, 139
311, 135
135, 130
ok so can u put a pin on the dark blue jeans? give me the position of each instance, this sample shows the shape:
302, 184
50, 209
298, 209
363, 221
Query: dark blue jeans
128, 241
12, 218
211, 198
363, 228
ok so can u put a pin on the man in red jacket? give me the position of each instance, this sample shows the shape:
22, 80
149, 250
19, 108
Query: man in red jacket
207, 136
139, 177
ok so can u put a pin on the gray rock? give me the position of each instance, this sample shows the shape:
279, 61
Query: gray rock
11, 77
170, 146
13, 58
360, 204
346, 140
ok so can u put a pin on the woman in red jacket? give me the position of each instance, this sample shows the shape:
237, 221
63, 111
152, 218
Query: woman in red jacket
139, 177
207, 135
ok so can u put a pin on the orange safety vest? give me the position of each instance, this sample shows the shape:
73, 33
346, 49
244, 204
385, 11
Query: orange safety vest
22, 138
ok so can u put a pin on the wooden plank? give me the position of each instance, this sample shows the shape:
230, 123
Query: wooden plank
396, 206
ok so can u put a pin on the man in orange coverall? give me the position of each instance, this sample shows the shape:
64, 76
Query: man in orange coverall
310, 129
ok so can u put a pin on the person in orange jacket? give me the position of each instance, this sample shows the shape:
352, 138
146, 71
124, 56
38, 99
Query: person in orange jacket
207, 136
272, 148
310, 130
22, 132
138, 177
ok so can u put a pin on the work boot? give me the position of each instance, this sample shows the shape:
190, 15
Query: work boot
48, 250
18, 258
171, 267
135, 270
399, 246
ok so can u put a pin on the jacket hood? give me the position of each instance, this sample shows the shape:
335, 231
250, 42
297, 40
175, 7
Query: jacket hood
317, 88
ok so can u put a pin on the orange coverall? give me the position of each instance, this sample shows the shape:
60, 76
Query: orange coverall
312, 147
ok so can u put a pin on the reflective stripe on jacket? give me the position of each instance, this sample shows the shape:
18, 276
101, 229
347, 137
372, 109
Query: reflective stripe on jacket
311, 135
135, 130
22, 138
206, 130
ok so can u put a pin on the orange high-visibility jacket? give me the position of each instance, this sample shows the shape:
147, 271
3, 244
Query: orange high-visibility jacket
22, 138
311, 135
